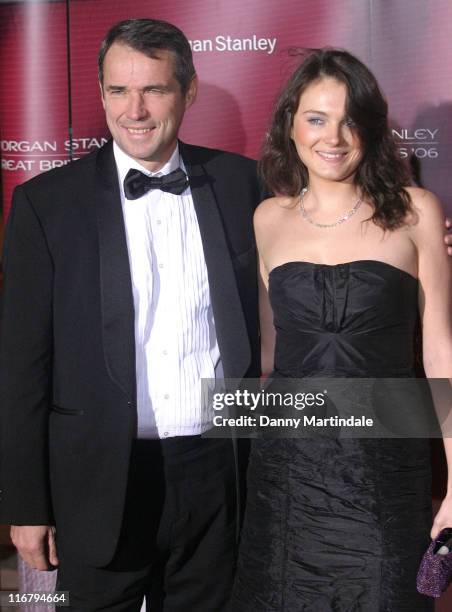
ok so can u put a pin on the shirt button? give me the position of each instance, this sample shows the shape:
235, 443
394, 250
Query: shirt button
166, 434
166, 396
159, 222
161, 265
165, 352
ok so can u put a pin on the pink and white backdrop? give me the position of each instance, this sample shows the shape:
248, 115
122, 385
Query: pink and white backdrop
49, 97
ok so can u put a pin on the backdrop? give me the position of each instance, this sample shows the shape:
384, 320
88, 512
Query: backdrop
50, 109
49, 98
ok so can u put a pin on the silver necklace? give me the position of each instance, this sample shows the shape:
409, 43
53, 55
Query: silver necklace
342, 219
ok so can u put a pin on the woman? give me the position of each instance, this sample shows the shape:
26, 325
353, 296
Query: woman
347, 251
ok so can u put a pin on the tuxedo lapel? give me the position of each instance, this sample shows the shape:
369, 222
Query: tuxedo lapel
115, 279
230, 322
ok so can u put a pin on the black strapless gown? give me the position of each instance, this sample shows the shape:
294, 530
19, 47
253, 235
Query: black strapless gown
337, 524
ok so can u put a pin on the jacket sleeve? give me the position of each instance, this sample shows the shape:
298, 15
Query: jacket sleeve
25, 368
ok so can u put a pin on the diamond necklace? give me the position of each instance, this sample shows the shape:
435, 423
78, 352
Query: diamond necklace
342, 219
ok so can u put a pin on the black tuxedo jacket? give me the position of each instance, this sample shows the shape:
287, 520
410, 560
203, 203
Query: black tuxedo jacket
67, 354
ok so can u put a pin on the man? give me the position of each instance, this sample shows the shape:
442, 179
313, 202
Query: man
122, 292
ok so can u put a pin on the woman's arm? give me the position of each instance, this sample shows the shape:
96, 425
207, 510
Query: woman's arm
263, 232
267, 329
435, 292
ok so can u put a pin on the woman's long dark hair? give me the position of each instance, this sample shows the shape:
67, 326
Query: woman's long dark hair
381, 174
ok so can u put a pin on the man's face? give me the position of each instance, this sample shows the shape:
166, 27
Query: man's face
143, 103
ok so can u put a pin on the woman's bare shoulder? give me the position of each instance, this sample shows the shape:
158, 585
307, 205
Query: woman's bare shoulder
271, 209
424, 201
428, 214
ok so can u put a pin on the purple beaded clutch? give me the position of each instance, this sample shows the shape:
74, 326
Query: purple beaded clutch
435, 571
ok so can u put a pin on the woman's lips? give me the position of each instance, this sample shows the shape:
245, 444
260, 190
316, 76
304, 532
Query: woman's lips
333, 157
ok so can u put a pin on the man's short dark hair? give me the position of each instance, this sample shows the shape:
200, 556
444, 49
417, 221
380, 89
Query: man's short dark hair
149, 36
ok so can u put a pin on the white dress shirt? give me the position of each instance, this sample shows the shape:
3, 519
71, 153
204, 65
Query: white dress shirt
175, 339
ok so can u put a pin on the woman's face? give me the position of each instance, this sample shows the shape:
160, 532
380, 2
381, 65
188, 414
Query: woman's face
325, 138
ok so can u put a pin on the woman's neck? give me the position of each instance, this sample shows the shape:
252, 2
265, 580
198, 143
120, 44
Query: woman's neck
331, 196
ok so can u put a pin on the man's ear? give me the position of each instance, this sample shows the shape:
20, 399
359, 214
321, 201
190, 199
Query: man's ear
102, 94
192, 91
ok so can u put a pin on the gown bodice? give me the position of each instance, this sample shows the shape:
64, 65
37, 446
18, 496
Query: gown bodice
351, 319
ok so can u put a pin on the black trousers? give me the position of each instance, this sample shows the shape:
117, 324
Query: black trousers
178, 538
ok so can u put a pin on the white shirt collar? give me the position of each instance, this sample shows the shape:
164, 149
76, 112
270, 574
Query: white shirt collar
124, 163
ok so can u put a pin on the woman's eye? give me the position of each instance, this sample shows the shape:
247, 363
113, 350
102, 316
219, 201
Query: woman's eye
350, 123
315, 121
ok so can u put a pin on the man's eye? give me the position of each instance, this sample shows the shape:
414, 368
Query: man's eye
116, 92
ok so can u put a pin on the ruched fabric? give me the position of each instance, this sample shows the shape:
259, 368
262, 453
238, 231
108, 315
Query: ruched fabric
337, 525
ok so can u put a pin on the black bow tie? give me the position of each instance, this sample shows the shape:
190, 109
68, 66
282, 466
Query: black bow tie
136, 183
